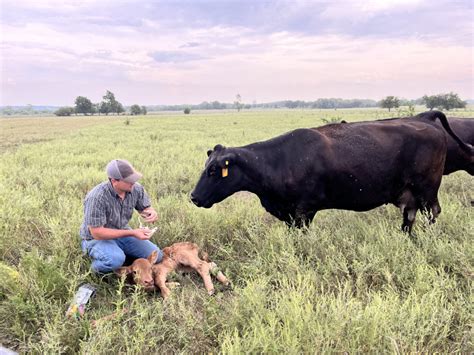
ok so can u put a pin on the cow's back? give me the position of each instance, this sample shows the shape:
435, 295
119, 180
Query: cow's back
369, 163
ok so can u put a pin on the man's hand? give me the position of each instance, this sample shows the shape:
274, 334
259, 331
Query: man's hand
149, 215
142, 233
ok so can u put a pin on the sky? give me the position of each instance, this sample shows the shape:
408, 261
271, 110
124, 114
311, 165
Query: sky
186, 52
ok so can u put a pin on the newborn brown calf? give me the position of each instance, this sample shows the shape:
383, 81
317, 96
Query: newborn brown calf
180, 257
140, 272
184, 257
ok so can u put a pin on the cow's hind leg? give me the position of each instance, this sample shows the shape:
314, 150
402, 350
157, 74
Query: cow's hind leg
436, 210
408, 207
303, 217
430, 206
432, 211
409, 215
427, 196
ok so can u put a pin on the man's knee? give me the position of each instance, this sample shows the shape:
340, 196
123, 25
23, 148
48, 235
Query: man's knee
109, 262
160, 256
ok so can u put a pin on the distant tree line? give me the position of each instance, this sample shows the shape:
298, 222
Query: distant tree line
138, 110
28, 110
440, 101
83, 105
239, 105
444, 101
109, 105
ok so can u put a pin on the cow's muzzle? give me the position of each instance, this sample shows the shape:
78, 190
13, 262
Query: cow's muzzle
194, 200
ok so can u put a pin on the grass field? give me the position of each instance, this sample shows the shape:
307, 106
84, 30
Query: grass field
350, 282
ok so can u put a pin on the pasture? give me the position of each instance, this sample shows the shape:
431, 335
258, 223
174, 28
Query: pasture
350, 282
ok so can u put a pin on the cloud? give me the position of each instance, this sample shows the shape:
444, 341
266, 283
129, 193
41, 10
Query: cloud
183, 51
190, 45
361, 10
175, 57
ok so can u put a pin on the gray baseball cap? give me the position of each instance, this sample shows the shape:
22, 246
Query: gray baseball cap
121, 169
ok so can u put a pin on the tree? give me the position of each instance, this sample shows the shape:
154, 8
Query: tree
110, 104
64, 111
238, 102
95, 108
432, 101
104, 107
187, 110
144, 110
83, 105
135, 110
390, 102
452, 100
444, 101
119, 108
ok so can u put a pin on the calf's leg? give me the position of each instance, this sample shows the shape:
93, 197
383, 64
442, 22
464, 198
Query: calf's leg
160, 273
203, 268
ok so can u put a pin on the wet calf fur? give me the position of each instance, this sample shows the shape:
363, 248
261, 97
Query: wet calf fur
140, 271
184, 256
180, 257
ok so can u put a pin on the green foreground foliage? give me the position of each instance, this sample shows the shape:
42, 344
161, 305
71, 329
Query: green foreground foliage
350, 282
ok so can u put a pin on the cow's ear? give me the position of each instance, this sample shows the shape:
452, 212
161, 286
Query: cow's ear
226, 160
219, 147
209, 152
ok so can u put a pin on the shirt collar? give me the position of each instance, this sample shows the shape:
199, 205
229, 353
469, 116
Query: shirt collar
113, 192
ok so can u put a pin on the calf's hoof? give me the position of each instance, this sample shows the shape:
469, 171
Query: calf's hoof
172, 284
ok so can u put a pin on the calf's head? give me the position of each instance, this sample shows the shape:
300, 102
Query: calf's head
140, 272
221, 177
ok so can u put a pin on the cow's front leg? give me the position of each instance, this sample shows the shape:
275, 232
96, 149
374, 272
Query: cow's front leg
303, 217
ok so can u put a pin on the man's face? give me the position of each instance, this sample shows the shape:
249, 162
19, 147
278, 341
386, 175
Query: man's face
121, 185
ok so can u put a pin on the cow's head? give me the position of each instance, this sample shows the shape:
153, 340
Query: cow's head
140, 272
221, 177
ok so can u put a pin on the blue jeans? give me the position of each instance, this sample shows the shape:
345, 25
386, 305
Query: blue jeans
109, 255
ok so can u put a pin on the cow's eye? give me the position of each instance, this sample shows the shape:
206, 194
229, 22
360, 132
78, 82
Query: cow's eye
212, 171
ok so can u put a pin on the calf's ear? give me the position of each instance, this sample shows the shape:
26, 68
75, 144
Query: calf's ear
153, 256
123, 271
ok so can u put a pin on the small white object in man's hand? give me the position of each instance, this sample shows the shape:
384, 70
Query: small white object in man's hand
149, 231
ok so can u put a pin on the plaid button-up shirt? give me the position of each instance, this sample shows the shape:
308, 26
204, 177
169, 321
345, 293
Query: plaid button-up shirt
103, 207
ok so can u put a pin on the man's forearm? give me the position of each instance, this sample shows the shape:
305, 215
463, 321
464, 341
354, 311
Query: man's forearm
102, 233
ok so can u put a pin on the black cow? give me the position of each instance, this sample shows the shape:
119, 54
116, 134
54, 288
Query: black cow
352, 166
457, 158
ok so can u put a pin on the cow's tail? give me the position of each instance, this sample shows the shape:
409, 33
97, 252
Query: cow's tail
433, 115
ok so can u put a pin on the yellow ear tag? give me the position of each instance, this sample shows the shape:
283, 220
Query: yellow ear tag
225, 171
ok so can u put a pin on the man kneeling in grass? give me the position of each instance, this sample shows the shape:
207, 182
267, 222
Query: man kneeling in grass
106, 236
